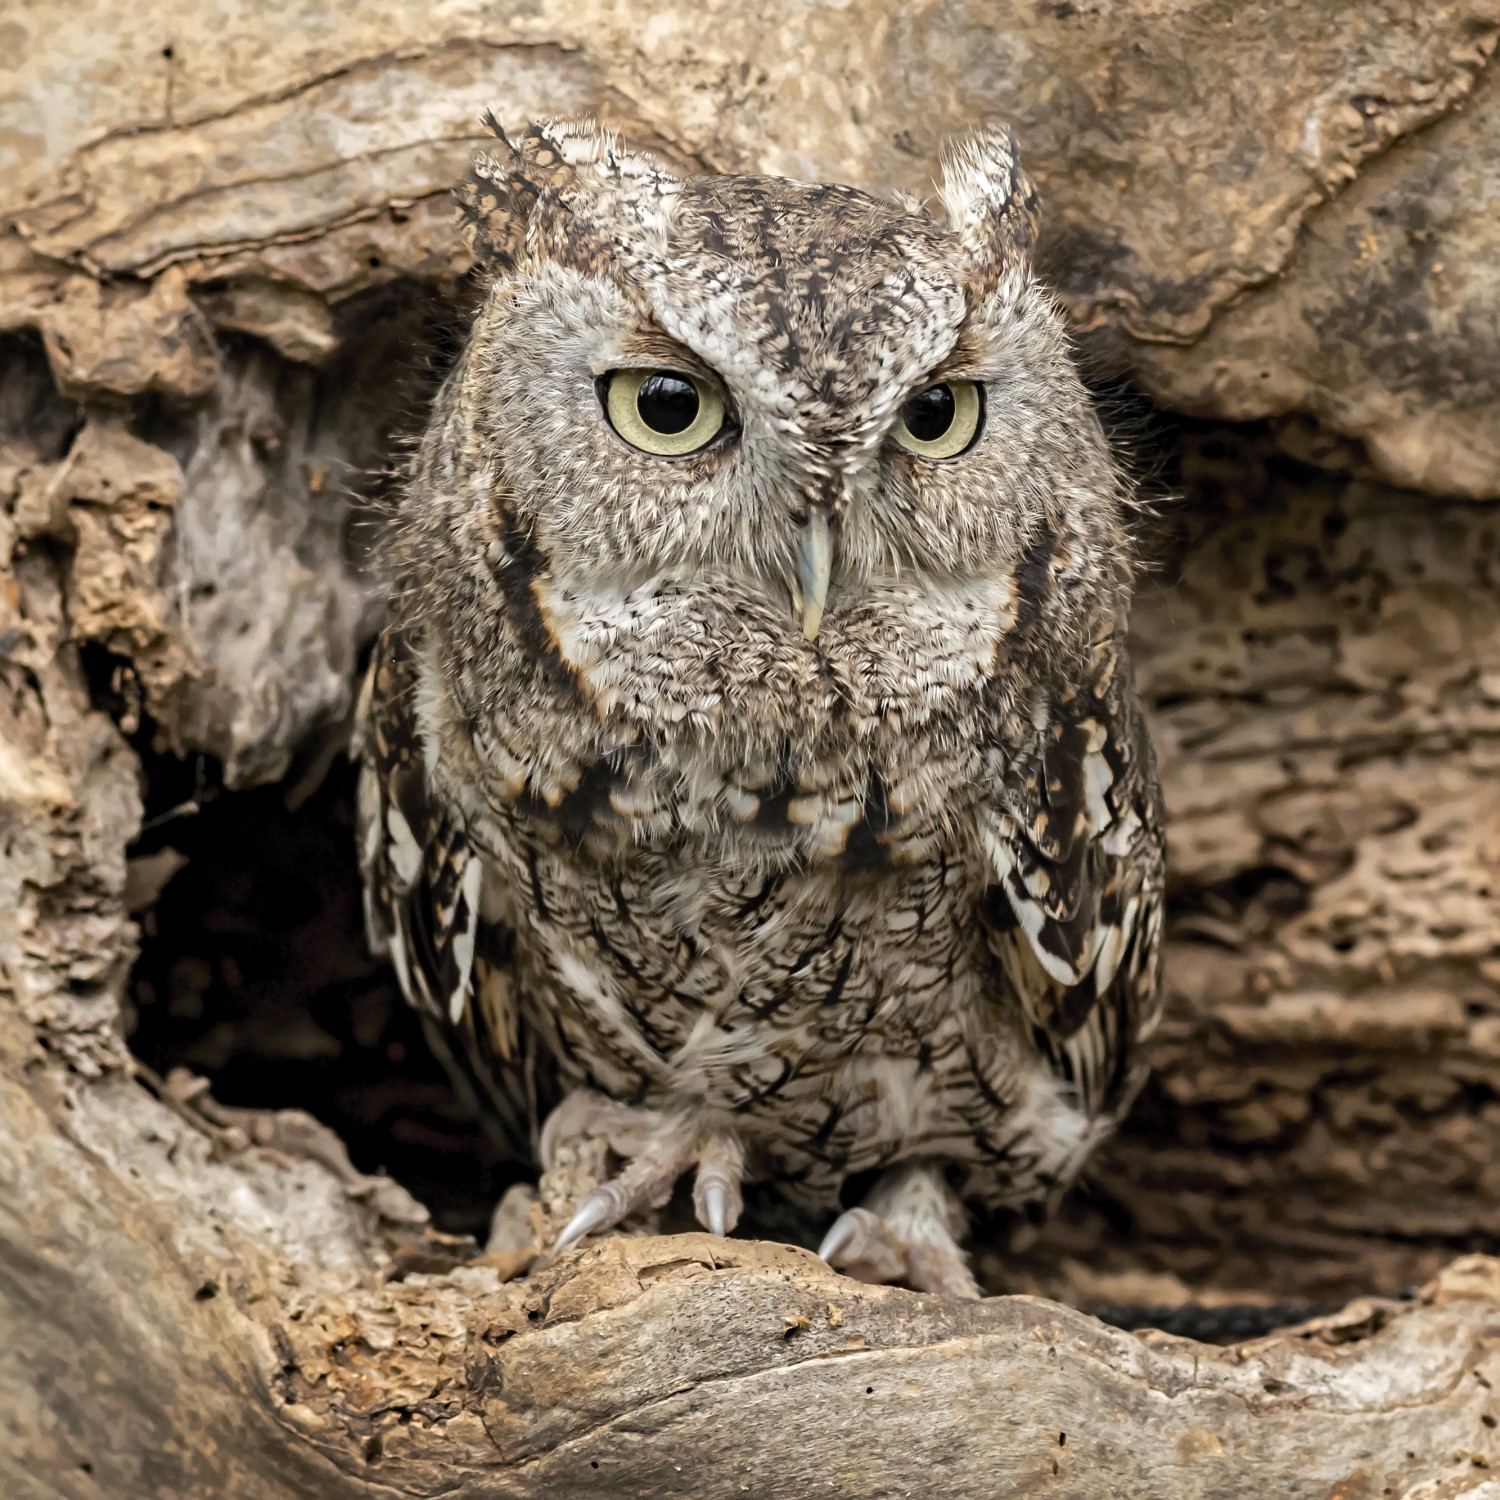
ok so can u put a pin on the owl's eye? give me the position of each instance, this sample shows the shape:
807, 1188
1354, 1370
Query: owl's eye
942, 421
663, 411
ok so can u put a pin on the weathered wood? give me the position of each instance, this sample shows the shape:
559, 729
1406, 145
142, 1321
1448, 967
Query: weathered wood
190, 1315
220, 237
1322, 655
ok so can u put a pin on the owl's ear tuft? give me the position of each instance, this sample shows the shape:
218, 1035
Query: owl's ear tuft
495, 200
990, 202
498, 199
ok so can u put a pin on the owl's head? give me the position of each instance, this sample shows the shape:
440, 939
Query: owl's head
792, 392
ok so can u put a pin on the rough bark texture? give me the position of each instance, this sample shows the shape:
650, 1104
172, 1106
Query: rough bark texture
266, 1349
226, 236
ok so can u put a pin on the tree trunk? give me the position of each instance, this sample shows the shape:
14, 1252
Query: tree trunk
225, 268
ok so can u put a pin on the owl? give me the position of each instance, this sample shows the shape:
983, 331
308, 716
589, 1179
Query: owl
751, 768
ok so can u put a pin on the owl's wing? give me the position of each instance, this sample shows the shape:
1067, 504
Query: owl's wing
1075, 848
422, 890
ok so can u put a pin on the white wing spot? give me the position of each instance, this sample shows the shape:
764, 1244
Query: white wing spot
406, 854
464, 940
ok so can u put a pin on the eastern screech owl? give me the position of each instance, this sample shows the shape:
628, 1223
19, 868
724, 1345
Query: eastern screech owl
752, 754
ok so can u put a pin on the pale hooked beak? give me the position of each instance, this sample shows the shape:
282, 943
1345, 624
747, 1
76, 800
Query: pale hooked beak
814, 563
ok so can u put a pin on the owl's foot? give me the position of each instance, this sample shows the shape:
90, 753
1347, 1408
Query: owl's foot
657, 1149
905, 1231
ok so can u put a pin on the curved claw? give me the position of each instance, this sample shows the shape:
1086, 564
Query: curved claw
717, 1200
863, 1244
713, 1208
843, 1234
597, 1211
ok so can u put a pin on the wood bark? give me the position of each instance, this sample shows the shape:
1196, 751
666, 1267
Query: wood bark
225, 260
193, 1313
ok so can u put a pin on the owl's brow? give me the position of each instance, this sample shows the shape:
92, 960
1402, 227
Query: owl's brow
648, 347
964, 361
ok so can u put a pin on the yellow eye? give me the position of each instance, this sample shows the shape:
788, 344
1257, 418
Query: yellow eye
942, 421
663, 411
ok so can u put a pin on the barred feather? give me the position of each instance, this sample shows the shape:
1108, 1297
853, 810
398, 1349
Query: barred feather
422, 885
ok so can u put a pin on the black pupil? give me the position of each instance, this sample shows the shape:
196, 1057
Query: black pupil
929, 415
667, 403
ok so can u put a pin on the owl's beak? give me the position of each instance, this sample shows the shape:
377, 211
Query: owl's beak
814, 563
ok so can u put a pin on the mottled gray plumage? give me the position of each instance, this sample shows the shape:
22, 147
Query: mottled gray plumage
808, 892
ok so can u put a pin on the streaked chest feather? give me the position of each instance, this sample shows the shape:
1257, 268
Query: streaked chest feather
749, 875
837, 1026
700, 720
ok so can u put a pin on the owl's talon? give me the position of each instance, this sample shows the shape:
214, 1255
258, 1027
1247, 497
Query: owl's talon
713, 1208
716, 1191
908, 1236
600, 1210
863, 1244
843, 1232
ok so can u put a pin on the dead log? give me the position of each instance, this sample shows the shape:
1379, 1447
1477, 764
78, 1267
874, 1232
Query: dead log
217, 243
192, 1313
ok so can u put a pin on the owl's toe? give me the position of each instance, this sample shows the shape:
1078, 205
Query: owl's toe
646, 1182
651, 1173
905, 1233
941, 1269
585, 1114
